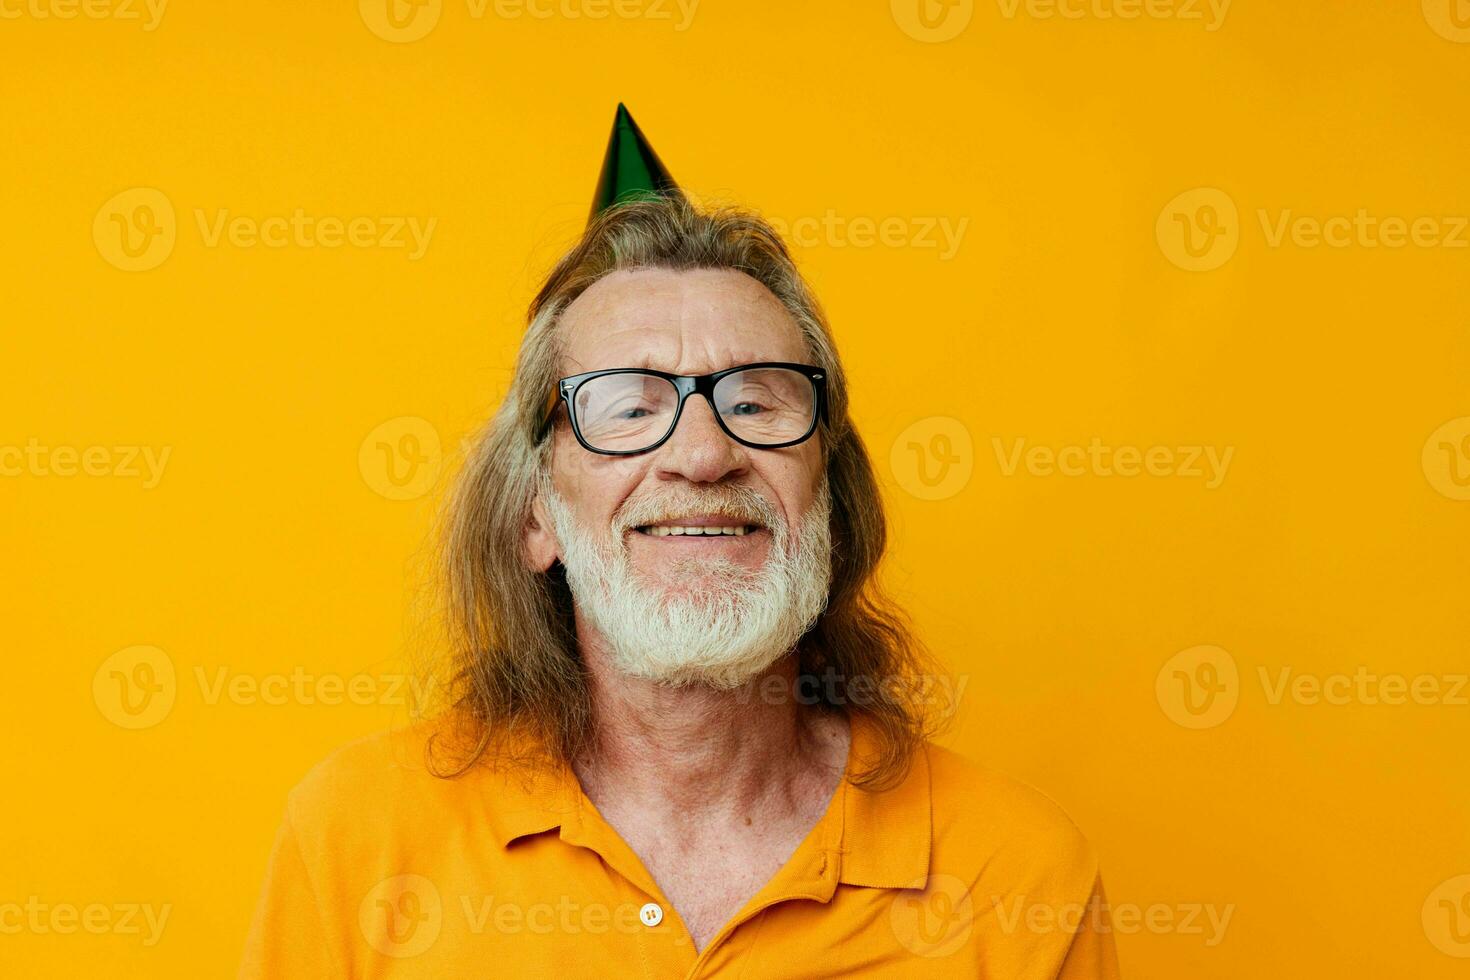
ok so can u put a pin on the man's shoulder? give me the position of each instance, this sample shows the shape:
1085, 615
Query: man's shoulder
378, 780
364, 767
986, 820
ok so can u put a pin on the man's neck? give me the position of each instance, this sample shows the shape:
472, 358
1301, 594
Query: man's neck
711, 755
713, 790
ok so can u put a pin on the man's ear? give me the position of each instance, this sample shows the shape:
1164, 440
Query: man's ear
541, 547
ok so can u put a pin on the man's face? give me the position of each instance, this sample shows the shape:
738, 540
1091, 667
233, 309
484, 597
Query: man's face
691, 322
726, 601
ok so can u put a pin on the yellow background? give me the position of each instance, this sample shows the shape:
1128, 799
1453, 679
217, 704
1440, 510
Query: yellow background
1335, 541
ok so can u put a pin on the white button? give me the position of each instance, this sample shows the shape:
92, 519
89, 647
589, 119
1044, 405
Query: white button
651, 914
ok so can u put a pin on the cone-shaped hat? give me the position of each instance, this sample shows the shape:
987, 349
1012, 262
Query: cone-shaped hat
631, 169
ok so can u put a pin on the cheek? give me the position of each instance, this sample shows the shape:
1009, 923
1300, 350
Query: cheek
794, 483
565, 478
593, 486
815, 468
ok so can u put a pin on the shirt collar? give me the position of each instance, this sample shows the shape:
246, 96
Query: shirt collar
529, 799
885, 835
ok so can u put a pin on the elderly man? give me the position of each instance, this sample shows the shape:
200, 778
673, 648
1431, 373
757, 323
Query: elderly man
688, 735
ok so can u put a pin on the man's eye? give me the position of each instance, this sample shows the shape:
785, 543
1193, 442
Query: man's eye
632, 413
746, 408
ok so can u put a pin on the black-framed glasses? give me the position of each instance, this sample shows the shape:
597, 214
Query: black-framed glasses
623, 411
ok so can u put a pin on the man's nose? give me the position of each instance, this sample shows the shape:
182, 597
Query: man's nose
699, 450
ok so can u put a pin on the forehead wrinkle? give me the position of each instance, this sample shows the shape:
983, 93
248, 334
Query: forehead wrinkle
668, 322
640, 353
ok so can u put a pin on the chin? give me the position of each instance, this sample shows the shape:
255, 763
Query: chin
692, 577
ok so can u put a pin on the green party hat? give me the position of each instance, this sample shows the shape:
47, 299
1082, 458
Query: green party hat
630, 169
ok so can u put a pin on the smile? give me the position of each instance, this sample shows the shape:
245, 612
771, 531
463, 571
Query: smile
711, 531
699, 526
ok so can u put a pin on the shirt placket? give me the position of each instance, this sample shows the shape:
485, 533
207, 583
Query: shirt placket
664, 948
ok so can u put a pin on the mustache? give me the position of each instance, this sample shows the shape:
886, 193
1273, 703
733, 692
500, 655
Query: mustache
742, 503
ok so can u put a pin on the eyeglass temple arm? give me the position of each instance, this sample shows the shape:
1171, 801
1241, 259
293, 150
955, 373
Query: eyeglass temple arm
552, 404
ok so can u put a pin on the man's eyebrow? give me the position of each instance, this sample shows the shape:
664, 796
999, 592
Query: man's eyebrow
645, 360
577, 367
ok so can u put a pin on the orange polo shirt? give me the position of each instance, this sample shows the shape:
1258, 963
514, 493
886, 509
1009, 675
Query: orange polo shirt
383, 870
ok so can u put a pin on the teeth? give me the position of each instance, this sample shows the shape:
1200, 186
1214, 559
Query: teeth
665, 530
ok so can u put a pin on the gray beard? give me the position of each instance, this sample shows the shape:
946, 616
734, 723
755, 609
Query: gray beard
723, 624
